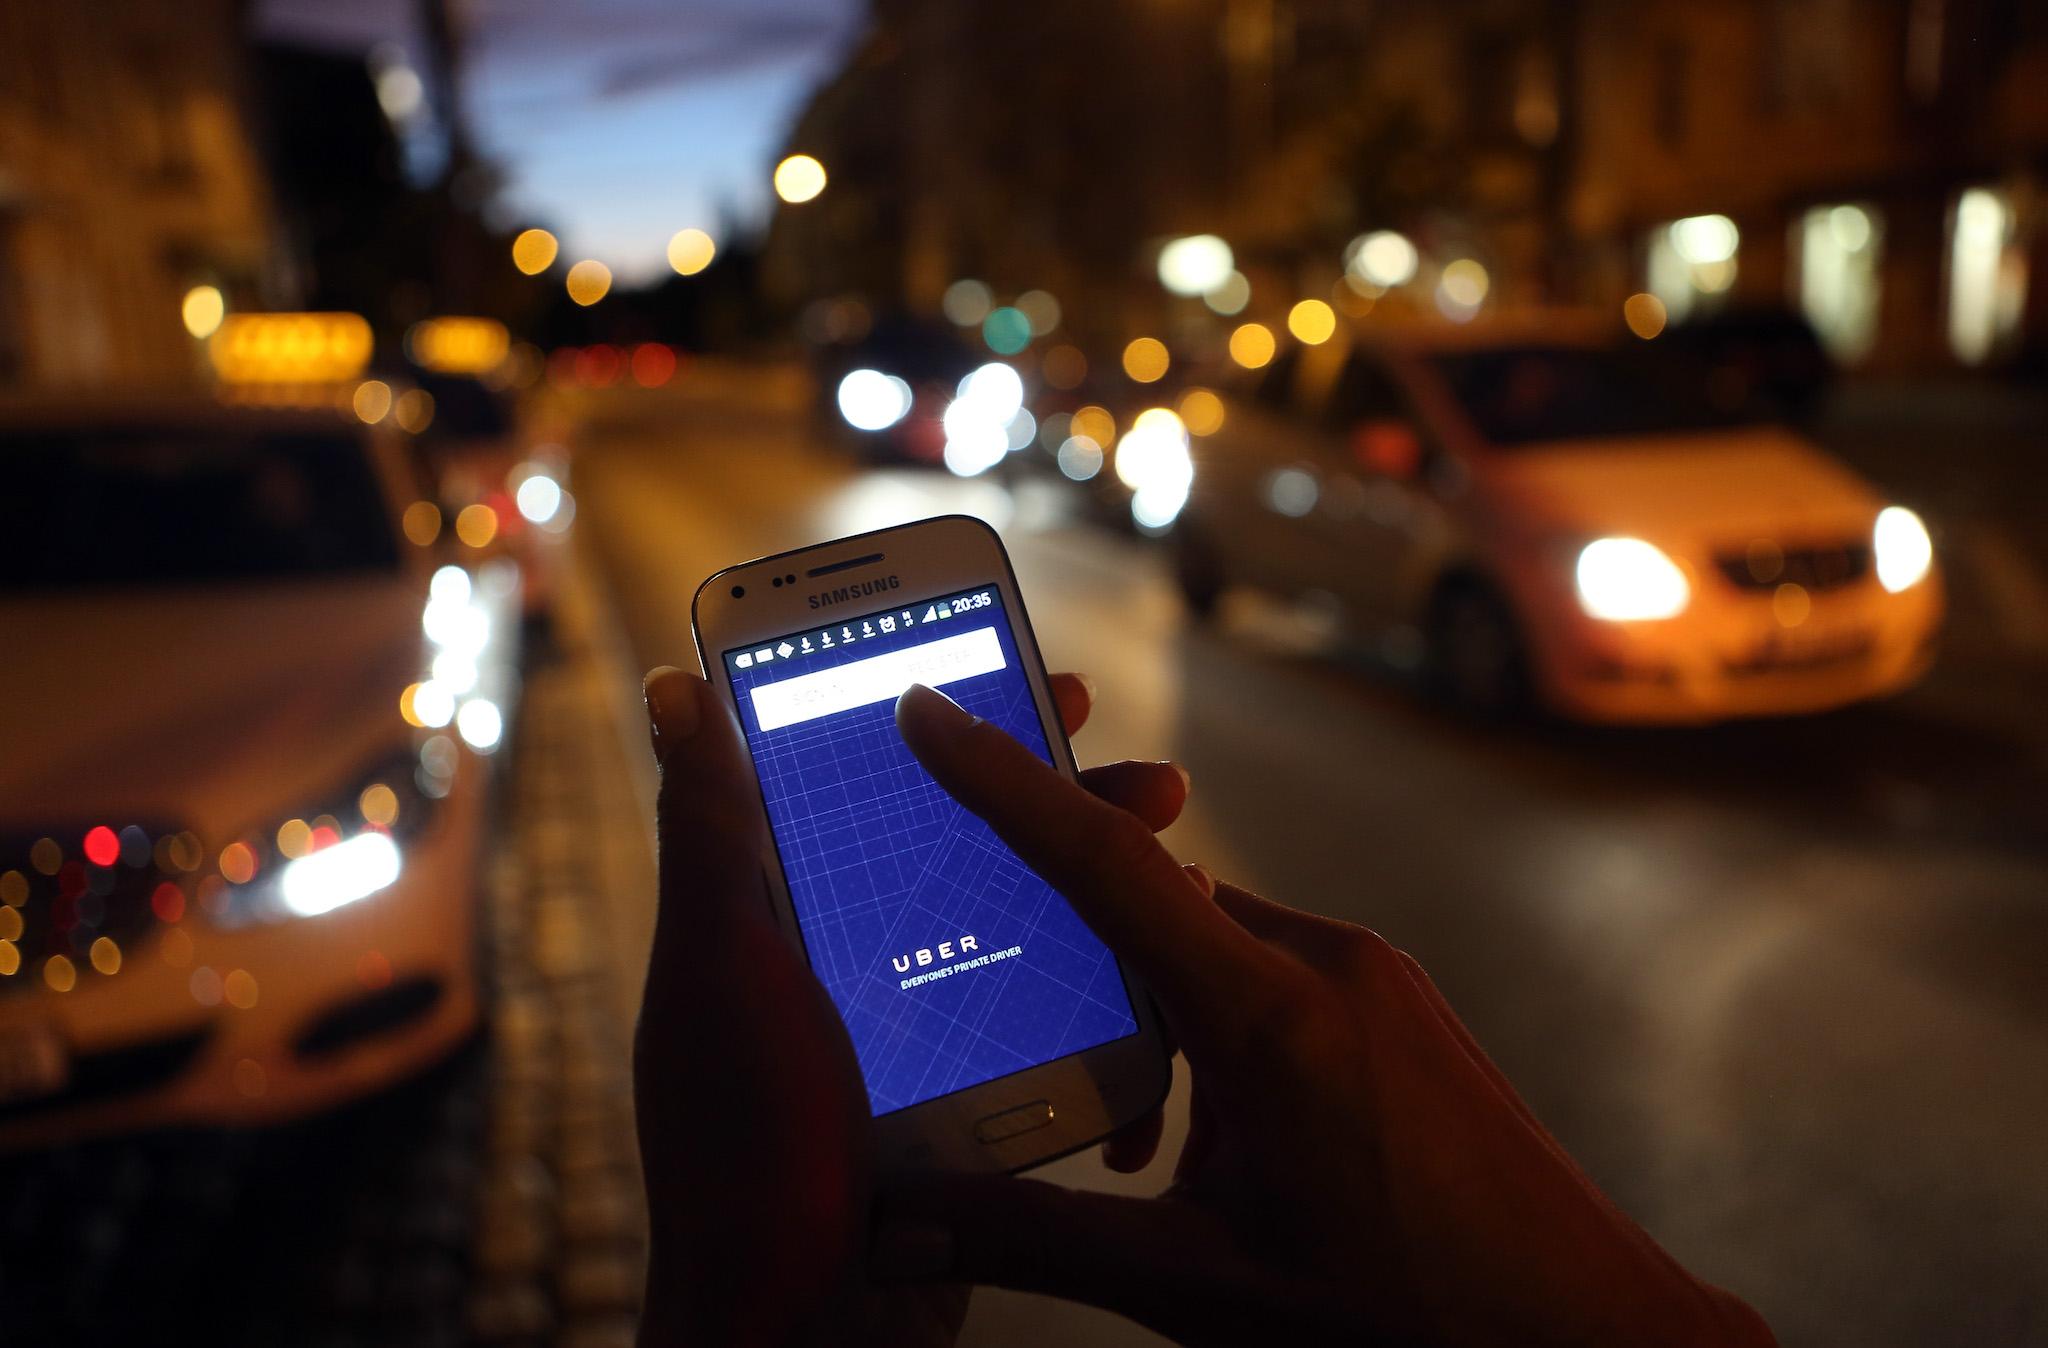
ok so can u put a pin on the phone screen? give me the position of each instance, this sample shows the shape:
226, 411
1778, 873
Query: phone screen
951, 962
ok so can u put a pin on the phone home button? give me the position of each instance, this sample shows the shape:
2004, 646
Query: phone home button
1013, 1122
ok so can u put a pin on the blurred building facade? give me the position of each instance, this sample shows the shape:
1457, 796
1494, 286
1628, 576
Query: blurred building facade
1875, 164
127, 177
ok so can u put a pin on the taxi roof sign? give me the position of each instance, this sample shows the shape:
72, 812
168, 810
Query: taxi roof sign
456, 345
290, 348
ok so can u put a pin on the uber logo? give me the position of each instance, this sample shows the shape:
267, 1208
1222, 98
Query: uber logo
924, 956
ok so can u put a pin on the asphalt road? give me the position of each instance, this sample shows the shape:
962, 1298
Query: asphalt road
1777, 985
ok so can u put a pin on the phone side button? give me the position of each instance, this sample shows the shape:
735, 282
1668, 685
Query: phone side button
1013, 1122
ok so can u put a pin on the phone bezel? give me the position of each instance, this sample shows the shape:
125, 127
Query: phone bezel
1091, 1093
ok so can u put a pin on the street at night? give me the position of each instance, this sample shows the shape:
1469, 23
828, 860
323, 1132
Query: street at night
532, 808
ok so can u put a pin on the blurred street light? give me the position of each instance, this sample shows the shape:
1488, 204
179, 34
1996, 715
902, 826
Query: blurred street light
691, 251
1145, 360
1251, 345
589, 281
1383, 257
534, 250
1041, 309
799, 178
1006, 330
1461, 289
203, 310
1195, 265
966, 302
1230, 295
1312, 322
1645, 315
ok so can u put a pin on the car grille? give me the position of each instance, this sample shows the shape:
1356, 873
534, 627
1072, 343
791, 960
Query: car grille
58, 901
1765, 566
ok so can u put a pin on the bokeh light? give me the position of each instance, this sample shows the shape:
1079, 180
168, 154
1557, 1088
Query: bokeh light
690, 251
413, 410
1195, 265
1064, 367
799, 178
477, 525
966, 302
1251, 345
372, 401
421, 522
534, 250
589, 281
1201, 411
1006, 330
1230, 295
106, 955
1312, 321
1645, 315
1041, 309
60, 974
379, 805
1094, 423
203, 310
1146, 360
1384, 258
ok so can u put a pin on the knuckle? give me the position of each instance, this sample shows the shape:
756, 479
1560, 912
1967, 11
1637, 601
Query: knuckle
1119, 839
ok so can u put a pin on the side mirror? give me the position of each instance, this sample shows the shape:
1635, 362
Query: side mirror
1388, 448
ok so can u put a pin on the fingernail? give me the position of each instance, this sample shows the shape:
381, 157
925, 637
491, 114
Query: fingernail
1202, 878
1187, 783
672, 714
934, 708
904, 1250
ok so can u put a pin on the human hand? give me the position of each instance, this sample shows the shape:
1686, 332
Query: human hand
753, 1119
1355, 1167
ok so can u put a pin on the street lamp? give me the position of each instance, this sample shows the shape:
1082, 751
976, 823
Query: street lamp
799, 178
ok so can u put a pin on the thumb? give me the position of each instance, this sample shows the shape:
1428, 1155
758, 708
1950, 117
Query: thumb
1163, 1262
708, 816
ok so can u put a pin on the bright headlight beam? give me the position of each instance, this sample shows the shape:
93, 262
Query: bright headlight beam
1904, 552
1628, 580
870, 400
339, 875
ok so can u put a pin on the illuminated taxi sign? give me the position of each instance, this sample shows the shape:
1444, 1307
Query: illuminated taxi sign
458, 345
290, 348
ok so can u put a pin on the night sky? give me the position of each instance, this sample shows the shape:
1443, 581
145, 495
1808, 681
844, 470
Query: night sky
618, 122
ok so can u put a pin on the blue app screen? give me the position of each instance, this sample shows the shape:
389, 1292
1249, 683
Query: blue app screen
951, 962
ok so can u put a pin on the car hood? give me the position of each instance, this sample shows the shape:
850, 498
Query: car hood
1713, 488
211, 709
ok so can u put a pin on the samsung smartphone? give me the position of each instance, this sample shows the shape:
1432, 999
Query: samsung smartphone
994, 1030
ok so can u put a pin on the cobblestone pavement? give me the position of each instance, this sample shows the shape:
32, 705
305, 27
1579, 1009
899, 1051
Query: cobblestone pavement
561, 1228
493, 1201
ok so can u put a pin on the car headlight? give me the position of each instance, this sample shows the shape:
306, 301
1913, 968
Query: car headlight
1626, 580
1904, 552
319, 861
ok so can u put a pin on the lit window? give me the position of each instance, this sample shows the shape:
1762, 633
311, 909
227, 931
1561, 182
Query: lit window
1987, 275
1839, 249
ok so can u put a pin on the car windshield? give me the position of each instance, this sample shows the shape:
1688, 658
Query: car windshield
156, 506
1532, 394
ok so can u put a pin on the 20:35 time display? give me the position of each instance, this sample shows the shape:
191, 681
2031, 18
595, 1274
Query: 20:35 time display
971, 601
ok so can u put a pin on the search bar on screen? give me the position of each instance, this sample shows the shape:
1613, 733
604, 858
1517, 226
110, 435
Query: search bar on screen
880, 678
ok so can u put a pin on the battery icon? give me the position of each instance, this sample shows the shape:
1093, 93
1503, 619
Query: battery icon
945, 610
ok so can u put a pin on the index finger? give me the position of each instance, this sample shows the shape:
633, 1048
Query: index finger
1104, 860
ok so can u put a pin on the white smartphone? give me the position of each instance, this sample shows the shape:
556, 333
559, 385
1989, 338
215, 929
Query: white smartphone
994, 1030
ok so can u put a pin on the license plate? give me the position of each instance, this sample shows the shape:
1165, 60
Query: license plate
33, 1062
1813, 644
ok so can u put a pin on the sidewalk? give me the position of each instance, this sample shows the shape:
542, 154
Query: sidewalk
561, 1229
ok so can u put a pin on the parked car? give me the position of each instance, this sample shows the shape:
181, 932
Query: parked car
241, 799
480, 458
1565, 522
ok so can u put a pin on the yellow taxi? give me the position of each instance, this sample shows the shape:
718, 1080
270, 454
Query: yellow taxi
242, 793
1540, 515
